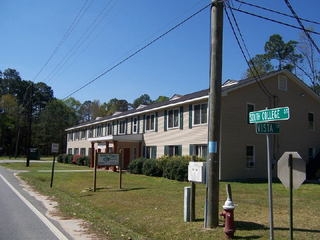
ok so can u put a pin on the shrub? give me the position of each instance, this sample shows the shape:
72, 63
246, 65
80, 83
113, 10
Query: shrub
64, 158
135, 166
151, 168
68, 158
75, 158
60, 158
83, 161
176, 168
171, 167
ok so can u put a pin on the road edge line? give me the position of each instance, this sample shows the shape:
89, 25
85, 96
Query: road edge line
44, 219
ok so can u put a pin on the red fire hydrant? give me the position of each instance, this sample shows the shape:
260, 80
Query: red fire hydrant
228, 208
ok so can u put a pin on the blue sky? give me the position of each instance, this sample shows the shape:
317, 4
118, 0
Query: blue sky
111, 30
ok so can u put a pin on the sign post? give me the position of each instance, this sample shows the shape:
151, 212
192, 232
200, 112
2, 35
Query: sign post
95, 172
263, 120
54, 150
292, 173
105, 160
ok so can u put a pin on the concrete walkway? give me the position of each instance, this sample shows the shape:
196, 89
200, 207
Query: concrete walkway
66, 170
21, 161
44, 171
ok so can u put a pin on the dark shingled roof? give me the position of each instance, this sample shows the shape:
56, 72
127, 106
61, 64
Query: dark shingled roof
183, 98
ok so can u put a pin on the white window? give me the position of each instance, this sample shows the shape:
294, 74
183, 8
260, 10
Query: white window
122, 126
135, 125
76, 135
151, 152
150, 122
200, 114
83, 134
173, 150
173, 118
99, 131
69, 150
90, 133
199, 150
76, 151
70, 136
82, 151
109, 129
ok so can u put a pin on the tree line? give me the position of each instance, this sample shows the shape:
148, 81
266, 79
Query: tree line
30, 115
299, 57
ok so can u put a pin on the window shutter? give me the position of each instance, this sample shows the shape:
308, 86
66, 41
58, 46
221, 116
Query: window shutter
154, 152
138, 125
116, 127
156, 122
181, 117
165, 120
191, 149
144, 124
180, 150
144, 151
166, 150
126, 126
190, 116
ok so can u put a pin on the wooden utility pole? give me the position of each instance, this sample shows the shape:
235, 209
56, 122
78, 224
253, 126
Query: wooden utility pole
29, 120
212, 193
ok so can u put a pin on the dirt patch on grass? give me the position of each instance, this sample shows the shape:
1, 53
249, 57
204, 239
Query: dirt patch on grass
76, 228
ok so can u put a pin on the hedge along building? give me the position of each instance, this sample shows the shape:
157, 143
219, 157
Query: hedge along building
179, 126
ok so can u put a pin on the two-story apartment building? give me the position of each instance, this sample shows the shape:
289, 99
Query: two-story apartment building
180, 126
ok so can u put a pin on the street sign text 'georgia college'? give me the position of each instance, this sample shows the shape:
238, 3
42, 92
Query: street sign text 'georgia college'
268, 115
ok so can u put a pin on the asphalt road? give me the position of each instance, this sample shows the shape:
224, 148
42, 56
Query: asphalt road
22, 216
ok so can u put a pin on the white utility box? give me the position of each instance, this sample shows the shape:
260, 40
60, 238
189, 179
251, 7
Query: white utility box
197, 172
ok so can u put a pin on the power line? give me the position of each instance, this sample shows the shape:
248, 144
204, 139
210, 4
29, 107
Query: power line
273, 20
84, 37
65, 36
302, 26
138, 51
274, 11
251, 65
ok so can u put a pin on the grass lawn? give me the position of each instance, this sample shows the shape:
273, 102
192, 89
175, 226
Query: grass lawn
152, 208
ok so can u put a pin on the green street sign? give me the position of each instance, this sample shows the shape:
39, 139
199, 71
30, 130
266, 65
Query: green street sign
267, 128
268, 115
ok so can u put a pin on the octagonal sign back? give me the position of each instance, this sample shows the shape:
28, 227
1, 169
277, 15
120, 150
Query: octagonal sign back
298, 170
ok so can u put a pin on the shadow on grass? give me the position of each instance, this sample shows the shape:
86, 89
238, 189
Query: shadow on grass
298, 230
89, 191
241, 225
126, 189
101, 189
247, 237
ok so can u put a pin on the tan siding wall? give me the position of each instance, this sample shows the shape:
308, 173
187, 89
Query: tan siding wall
79, 144
237, 134
184, 137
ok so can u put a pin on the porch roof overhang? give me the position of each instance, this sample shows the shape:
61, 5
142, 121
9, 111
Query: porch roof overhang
120, 138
